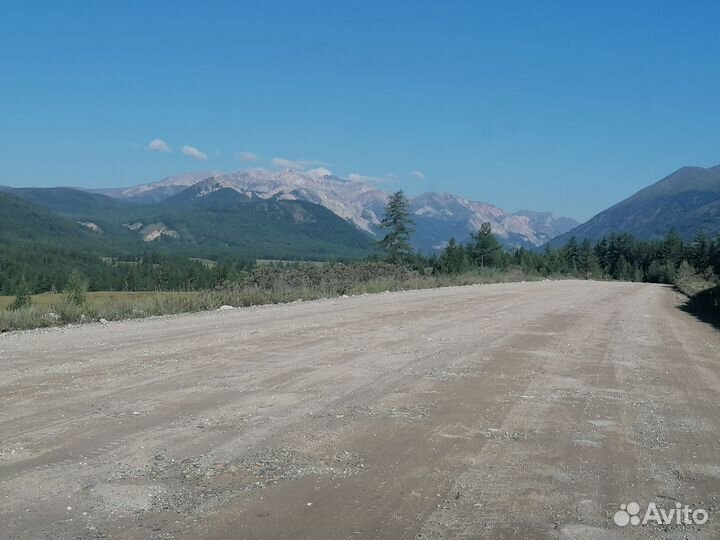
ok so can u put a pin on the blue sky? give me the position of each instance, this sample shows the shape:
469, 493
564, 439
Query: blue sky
560, 106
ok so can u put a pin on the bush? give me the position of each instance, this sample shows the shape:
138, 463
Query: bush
327, 279
24, 318
706, 305
67, 312
689, 282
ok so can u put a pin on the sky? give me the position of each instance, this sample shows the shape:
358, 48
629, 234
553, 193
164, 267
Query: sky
566, 107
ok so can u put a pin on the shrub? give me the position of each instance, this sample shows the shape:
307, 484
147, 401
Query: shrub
706, 305
67, 312
327, 279
690, 282
24, 318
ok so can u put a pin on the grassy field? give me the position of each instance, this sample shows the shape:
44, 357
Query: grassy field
265, 285
97, 299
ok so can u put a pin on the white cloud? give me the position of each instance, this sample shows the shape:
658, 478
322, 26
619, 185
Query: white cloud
282, 163
354, 177
319, 172
194, 152
158, 145
246, 156
418, 174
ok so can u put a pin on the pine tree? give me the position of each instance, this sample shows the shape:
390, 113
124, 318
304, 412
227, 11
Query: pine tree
602, 252
399, 225
672, 248
453, 259
485, 248
624, 271
572, 255
76, 289
22, 295
589, 264
700, 251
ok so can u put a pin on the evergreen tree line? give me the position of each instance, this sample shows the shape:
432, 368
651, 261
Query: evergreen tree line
35, 268
618, 256
37, 271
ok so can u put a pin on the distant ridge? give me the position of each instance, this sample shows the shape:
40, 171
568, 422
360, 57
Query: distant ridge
438, 216
688, 200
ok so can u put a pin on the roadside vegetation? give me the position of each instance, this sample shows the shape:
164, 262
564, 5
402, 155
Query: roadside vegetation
165, 286
265, 284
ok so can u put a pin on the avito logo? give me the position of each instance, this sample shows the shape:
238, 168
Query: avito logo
629, 514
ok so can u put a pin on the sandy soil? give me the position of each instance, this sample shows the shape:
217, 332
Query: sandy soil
529, 410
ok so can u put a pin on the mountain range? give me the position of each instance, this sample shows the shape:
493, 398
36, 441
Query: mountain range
437, 216
316, 215
688, 200
224, 223
181, 223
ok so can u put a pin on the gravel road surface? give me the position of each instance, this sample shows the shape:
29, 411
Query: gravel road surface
527, 410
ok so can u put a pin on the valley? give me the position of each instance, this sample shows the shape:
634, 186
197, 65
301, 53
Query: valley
359, 271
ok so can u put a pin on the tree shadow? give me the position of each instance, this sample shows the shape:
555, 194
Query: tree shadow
705, 306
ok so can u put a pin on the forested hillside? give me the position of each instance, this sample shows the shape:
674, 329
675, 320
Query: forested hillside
686, 201
122, 246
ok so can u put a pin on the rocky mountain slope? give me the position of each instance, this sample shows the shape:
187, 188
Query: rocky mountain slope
438, 216
157, 191
687, 200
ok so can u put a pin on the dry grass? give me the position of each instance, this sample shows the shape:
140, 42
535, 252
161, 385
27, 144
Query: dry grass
265, 285
95, 299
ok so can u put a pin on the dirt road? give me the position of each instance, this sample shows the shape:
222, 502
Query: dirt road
529, 410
